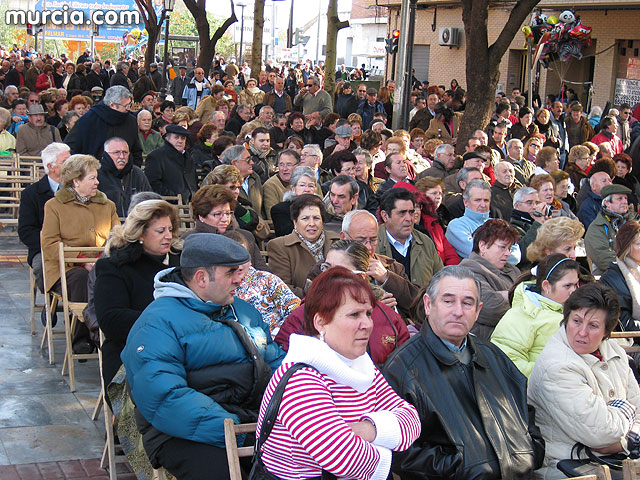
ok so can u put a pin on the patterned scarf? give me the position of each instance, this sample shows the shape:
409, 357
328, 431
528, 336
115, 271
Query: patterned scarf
80, 198
316, 248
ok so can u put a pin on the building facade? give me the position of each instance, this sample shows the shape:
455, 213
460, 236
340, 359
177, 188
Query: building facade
608, 71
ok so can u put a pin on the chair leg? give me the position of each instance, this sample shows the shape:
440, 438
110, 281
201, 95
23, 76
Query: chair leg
98, 407
110, 444
50, 310
68, 354
33, 295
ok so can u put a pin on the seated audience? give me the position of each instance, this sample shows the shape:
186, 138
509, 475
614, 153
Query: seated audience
623, 275
354, 409
578, 165
536, 310
582, 386
492, 243
134, 253
303, 180
547, 161
78, 215
36, 134
599, 241
276, 186
292, 256
197, 355
212, 209
476, 198
563, 189
398, 239
264, 290
555, 235
480, 428
149, 139
32, 201
546, 186
389, 330
119, 178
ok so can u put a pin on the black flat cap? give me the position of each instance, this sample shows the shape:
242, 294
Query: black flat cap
177, 129
212, 250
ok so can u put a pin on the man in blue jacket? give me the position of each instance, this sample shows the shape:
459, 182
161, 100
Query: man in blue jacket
196, 356
369, 107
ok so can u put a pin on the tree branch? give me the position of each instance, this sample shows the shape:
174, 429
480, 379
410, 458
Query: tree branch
227, 23
518, 15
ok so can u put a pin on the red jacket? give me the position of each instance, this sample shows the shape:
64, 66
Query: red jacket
445, 249
389, 331
44, 82
614, 142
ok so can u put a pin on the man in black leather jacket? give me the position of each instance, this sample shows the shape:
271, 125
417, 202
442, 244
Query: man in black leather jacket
471, 398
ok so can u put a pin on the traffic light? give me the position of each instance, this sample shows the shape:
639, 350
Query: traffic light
392, 43
29, 29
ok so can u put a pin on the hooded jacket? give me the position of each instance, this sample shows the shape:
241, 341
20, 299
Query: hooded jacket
525, 329
120, 185
188, 369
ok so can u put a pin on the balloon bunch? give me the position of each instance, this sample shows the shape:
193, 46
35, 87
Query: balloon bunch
560, 37
134, 43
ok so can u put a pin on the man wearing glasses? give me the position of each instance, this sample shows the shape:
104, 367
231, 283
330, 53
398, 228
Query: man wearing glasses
362, 226
107, 119
443, 163
120, 179
624, 121
313, 99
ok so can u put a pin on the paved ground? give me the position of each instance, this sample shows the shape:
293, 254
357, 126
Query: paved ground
46, 432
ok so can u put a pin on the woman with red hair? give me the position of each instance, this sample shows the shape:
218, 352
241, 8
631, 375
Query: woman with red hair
337, 414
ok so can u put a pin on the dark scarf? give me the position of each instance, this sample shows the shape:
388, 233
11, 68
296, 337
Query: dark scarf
108, 166
91, 128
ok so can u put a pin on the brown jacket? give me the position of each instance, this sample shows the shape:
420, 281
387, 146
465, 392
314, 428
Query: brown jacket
255, 193
76, 225
270, 99
205, 108
398, 284
436, 127
291, 260
31, 140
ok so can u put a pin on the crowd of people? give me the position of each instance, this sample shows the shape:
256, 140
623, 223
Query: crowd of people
373, 300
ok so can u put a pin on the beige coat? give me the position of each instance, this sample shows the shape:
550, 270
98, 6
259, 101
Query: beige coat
291, 260
570, 393
255, 193
76, 225
273, 190
31, 140
252, 99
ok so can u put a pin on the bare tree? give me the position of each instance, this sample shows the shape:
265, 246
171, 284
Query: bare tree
256, 46
152, 25
483, 60
207, 43
334, 25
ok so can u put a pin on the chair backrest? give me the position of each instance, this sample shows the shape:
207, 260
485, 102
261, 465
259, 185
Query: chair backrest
70, 256
233, 451
631, 335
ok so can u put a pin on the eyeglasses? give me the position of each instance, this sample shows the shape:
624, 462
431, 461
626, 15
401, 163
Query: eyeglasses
119, 153
303, 154
220, 214
310, 85
362, 91
373, 241
287, 165
126, 107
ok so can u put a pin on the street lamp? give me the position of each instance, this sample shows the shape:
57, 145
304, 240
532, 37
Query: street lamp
241, 5
166, 10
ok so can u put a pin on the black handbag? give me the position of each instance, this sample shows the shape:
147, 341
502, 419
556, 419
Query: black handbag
577, 467
258, 470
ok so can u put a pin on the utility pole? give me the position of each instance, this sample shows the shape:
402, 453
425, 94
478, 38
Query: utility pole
398, 99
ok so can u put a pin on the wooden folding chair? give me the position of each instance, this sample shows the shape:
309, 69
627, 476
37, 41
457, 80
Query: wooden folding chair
50, 305
630, 469
233, 451
73, 311
631, 335
603, 474
34, 307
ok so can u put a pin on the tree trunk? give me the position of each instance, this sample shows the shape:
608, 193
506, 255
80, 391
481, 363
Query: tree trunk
256, 46
207, 44
483, 62
150, 21
334, 25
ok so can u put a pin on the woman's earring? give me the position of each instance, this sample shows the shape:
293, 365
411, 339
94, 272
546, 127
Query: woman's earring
322, 336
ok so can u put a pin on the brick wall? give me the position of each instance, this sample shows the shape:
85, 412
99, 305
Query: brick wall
447, 63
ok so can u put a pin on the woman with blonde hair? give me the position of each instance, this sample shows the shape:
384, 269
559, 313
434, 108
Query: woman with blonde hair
135, 252
556, 235
251, 95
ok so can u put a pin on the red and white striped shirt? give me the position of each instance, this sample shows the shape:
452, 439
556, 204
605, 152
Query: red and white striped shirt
311, 431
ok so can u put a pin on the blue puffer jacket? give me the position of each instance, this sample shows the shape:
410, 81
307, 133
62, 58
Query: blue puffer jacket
173, 343
190, 94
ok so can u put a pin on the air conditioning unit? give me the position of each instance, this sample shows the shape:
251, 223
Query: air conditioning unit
449, 36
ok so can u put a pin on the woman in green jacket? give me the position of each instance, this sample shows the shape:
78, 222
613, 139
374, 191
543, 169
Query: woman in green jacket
536, 310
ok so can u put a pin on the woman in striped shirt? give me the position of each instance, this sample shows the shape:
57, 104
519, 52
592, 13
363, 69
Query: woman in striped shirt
340, 416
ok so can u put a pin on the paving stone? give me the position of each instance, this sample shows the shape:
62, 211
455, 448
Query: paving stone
28, 472
72, 469
50, 470
92, 467
32, 381
40, 410
8, 472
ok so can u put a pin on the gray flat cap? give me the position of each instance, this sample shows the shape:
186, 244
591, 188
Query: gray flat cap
212, 250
